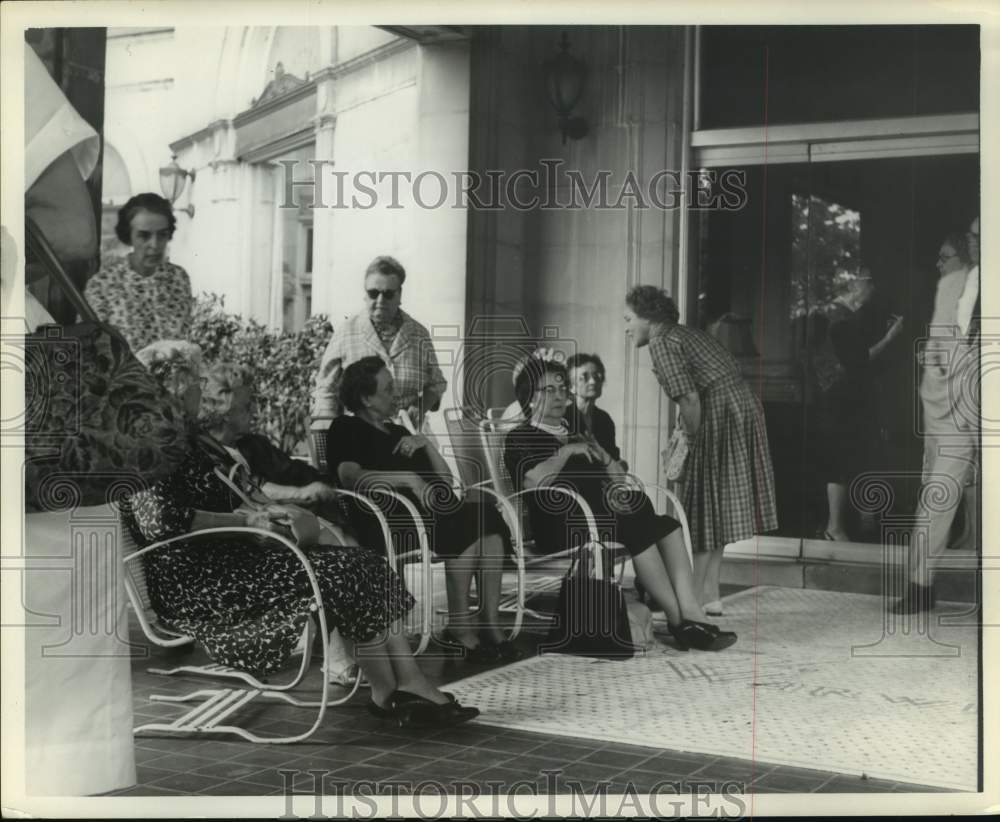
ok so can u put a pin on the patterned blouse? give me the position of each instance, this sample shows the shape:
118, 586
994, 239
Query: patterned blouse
143, 308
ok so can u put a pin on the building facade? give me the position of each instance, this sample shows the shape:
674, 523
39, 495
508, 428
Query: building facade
747, 170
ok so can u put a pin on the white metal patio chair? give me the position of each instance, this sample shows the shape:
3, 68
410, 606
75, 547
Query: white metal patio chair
492, 431
216, 705
317, 445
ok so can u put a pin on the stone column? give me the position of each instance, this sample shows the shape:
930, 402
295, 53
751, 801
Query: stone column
441, 228
324, 236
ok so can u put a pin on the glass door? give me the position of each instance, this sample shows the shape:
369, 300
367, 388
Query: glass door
802, 284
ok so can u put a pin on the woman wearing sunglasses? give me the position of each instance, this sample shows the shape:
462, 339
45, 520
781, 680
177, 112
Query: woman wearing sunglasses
382, 330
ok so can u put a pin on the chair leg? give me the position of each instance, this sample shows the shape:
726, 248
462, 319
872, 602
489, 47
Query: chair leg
225, 672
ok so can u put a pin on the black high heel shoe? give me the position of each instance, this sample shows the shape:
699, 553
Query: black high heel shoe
378, 711
414, 711
504, 650
702, 636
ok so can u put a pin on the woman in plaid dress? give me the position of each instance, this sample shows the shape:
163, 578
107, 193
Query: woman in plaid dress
728, 485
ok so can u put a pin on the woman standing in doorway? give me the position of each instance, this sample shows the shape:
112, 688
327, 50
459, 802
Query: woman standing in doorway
728, 484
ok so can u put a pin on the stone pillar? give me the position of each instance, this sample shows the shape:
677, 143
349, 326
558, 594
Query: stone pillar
651, 99
440, 230
324, 236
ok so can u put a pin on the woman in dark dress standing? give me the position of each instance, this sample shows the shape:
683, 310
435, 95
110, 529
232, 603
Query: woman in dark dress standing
848, 415
366, 449
728, 484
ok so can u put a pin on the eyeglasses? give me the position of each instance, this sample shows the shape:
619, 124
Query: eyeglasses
387, 293
595, 377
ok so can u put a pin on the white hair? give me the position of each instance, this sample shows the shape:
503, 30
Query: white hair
176, 351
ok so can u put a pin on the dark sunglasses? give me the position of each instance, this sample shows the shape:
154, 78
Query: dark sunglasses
373, 293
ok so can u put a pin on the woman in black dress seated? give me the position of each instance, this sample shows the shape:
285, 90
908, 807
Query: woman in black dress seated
247, 602
586, 384
542, 452
365, 450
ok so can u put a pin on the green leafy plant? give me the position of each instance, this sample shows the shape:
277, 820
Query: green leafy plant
284, 364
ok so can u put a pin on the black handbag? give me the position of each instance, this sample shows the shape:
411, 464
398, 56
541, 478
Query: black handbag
591, 618
98, 426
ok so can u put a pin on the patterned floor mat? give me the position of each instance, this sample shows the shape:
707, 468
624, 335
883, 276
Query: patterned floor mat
818, 679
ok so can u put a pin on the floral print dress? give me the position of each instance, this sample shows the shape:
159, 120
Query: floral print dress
245, 602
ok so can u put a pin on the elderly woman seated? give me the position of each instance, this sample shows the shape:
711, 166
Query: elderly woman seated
247, 602
542, 452
366, 449
228, 408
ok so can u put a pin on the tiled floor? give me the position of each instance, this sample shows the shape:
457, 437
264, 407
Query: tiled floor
352, 746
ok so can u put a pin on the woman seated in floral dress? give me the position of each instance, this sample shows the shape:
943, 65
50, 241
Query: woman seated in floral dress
248, 603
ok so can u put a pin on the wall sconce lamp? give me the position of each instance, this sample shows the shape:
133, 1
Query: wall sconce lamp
172, 181
565, 76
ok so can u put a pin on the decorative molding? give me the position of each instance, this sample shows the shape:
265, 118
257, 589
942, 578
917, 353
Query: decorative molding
362, 61
275, 104
282, 84
302, 136
189, 140
325, 120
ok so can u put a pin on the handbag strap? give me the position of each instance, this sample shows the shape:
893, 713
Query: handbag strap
40, 248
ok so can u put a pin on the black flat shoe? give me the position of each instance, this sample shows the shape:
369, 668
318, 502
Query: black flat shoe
387, 713
481, 654
413, 711
917, 598
702, 636
504, 650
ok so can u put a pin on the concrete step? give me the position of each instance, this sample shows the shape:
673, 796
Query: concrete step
953, 584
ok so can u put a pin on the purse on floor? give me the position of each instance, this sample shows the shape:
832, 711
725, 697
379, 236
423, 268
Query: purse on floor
97, 424
591, 618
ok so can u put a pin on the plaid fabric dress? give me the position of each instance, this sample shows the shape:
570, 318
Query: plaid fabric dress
728, 485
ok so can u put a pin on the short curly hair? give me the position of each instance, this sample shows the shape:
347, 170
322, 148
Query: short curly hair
148, 201
580, 360
165, 358
360, 381
530, 378
653, 304
228, 376
390, 266
222, 381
